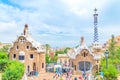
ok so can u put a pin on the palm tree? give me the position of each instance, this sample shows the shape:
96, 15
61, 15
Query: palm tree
47, 46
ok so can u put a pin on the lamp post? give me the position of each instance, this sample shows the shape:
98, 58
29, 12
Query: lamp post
106, 55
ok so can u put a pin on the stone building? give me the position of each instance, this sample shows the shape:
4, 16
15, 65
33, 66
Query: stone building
83, 61
63, 60
28, 51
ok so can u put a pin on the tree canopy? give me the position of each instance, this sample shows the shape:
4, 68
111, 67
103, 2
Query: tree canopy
12, 70
112, 71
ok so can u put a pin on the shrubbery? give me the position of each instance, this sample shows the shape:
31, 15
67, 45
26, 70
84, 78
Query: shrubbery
3, 61
11, 70
113, 61
14, 71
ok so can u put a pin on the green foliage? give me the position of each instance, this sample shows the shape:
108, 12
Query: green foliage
47, 46
3, 55
66, 49
47, 57
54, 59
113, 60
3, 64
59, 52
14, 71
118, 53
5, 48
110, 73
112, 47
3, 61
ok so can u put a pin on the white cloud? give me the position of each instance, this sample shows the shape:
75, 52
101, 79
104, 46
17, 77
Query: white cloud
38, 14
83, 7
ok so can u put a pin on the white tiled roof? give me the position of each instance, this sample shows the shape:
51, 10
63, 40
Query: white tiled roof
39, 47
34, 43
73, 52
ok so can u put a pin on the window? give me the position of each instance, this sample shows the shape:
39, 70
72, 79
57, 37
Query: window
17, 47
21, 57
14, 56
34, 66
84, 66
28, 68
31, 56
22, 40
42, 65
75, 67
27, 47
84, 52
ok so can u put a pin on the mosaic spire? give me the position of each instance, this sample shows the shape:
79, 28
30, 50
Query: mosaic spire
95, 26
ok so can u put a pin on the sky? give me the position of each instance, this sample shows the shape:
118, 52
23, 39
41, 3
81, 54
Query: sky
60, 23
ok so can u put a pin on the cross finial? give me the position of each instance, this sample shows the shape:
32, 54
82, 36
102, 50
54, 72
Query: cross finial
95, 10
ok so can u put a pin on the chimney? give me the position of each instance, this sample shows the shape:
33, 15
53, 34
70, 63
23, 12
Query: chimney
26, 29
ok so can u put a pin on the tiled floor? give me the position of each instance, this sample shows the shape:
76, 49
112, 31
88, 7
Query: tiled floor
49, 76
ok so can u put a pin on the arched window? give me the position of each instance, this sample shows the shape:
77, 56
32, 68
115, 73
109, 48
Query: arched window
42, 65
14, 56
34, 66
17, 47
84, 52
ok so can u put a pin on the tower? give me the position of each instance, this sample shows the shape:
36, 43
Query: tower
95, 26
96, 45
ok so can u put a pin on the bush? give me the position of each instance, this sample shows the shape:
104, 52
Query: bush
14, 71
3, 64
110, 73
3, 55
3, 61
5, 48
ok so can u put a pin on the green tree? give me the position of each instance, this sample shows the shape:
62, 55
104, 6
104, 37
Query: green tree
11, 70
3, 64
66, 49
112, 47
5, 48
47, 46
114, 59
54, 59
3, 55
3, 61
111, 73
47, 57
14, 71
59, 52
118, 52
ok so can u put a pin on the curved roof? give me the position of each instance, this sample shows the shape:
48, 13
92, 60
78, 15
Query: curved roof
39, 47
75, 51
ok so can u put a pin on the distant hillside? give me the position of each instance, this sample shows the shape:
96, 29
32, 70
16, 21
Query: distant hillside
3, 44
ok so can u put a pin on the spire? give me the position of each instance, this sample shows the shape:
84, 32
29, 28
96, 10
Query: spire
82, 42
26, 29
95, 26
